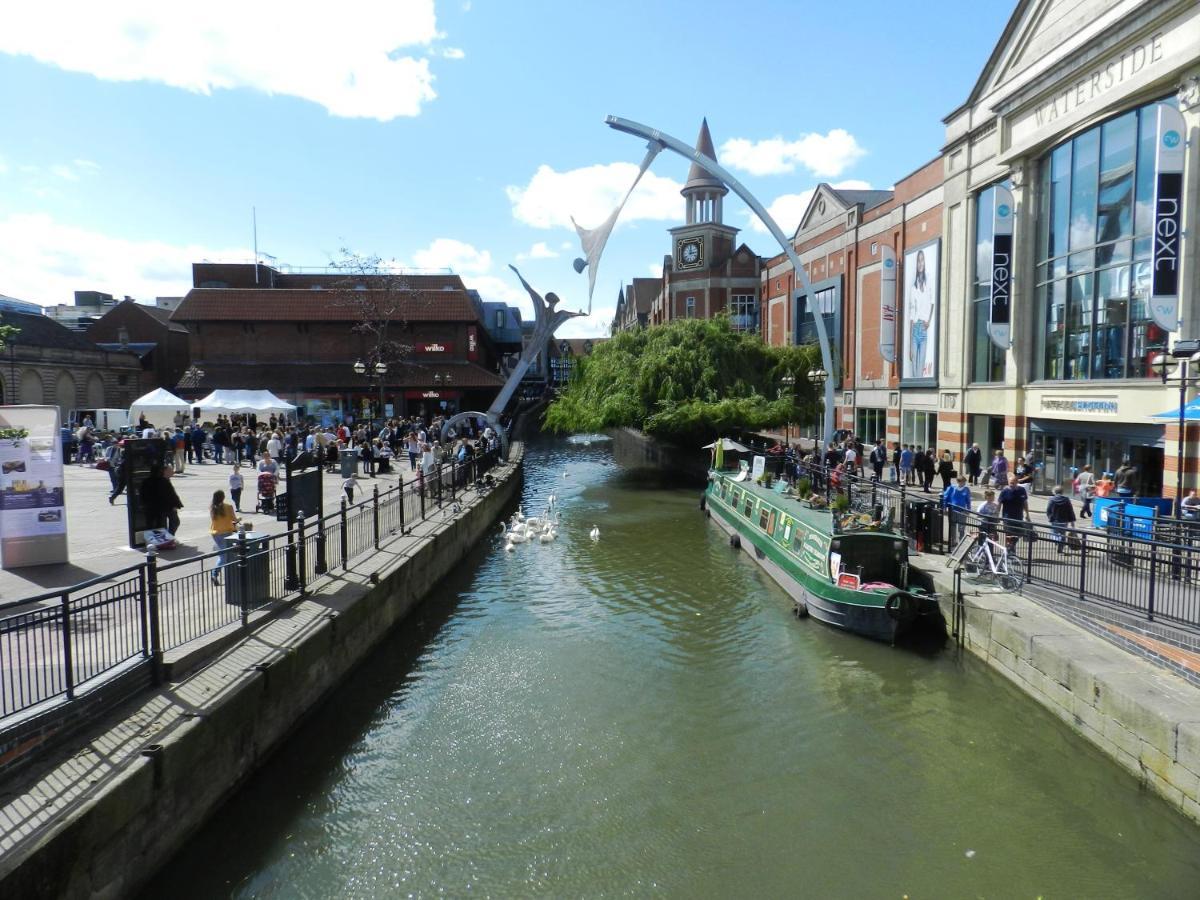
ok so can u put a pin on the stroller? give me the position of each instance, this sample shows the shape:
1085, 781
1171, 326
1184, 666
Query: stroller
266, 492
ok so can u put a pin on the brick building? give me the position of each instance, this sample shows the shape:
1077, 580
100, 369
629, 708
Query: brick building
295, 333
707, 272
843, 241
635, 302
147, 332
48, 363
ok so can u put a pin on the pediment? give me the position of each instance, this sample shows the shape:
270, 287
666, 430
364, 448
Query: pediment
1038, 29
824, 206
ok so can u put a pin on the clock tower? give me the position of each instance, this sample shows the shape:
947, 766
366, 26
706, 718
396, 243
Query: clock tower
707, 272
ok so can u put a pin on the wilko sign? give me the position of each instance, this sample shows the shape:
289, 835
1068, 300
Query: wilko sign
887, 305
432, 395
472, 343
435, 347
1168, 201
1002, 240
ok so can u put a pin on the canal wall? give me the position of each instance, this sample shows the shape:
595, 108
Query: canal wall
101, 818
635, 449
1145, 718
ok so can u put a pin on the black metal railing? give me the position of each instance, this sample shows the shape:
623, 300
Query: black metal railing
53, 644
1149, 567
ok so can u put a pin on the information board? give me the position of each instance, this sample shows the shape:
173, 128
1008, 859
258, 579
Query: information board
140, 456
33, 515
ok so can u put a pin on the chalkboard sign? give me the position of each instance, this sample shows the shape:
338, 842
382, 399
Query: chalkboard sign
140, 456
304, 493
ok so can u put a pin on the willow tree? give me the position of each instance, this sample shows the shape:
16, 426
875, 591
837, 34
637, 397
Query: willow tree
687, 381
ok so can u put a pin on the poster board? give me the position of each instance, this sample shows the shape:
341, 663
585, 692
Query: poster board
922, 267
33, 514
140, 456
760, 466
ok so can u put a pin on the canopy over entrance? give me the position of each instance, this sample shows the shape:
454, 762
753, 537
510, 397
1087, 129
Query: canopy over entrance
1191, 412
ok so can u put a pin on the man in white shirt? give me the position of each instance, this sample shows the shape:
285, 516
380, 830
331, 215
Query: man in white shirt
275, 446
851, 459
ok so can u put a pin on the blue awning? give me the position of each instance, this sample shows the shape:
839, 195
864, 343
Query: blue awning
1191, 412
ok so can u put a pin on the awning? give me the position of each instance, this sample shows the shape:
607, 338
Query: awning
727, 445
1191, 412
258, 402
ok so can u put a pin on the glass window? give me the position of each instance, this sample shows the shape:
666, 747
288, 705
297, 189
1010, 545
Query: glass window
690, 307
987, 360
918, 428
743, 312
870, 425
1096, 192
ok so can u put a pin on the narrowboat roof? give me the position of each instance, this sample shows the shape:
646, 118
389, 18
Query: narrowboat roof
815, 518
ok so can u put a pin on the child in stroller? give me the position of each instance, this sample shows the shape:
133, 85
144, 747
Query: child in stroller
266, 492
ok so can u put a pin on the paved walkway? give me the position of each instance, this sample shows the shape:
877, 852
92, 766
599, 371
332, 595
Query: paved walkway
97, 533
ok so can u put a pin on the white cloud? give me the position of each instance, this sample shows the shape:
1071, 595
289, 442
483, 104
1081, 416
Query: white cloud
788, 209
591, 193
3, 166
349, 62
458, 256
598, 324
45, 262
824, 155
453, 53
540, 250
655, 269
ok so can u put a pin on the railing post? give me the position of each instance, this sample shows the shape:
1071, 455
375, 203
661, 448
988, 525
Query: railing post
144, 611
400, 491
321, 566
375, 515
1153, 578
344, 536
291, 580
243, 576
453, 475
421, 491
301, 551
68, 660
152, 612
1082, 564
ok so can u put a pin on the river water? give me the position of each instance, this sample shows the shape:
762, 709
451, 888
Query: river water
642, 715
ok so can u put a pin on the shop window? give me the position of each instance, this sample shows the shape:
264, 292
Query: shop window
743, 312
1093, 249
987, 360
918, 428
870, 425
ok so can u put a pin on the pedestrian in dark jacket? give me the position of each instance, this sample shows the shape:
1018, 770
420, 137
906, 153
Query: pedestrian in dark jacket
1060, 513
945, 469
160, 502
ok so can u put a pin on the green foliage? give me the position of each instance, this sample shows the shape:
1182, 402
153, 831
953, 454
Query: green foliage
686, 381
6, 332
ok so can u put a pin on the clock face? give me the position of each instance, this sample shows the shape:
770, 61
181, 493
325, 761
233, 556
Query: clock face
690, 253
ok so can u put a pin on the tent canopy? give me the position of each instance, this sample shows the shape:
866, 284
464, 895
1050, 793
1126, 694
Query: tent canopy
1191, 412
159, 407
259, 402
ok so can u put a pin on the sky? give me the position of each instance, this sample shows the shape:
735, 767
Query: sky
137, 137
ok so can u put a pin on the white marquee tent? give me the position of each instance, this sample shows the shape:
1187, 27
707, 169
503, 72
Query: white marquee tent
258, 402
159, 407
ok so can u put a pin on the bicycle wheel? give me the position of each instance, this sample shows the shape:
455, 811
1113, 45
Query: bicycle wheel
1012, 582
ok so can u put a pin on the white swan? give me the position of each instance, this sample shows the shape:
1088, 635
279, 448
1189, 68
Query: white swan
517, 537
594, 534
509, 547
546, 537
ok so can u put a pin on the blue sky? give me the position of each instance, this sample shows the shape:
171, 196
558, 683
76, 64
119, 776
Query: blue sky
136, 137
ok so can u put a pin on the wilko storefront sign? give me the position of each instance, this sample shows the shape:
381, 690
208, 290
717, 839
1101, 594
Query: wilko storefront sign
438, 347
432, 395
472, 343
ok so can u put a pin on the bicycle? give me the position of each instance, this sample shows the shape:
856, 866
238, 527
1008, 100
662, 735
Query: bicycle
992, 561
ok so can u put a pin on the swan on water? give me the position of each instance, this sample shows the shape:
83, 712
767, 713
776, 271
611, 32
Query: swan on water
594, 534
517, 536
509, 547
546, 537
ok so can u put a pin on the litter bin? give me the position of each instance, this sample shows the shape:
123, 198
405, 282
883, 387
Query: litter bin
258, 570
349, 463
923, 523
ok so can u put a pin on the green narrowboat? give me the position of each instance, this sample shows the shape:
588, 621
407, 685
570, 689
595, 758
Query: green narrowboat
845, 569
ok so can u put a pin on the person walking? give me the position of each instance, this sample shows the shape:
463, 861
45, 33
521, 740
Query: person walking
906, 464
160, 501
973, 462
929, 470
222, 522
348, 486
1126, 475
989, 515
117, 475
367, 455
895, 473
956, 498
1014, 510
879, 458
1086, 485
1060, 514
198, 439
235, 485
179, 445
945, 469
999, 470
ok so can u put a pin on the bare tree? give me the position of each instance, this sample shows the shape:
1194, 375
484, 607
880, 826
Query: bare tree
379, 295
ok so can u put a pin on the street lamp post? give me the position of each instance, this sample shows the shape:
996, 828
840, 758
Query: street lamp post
372, 372
1186, 352
789, 385
819, 376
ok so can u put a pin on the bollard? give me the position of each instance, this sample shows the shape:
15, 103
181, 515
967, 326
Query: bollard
375, 515
155, 623
345, 539
301, 551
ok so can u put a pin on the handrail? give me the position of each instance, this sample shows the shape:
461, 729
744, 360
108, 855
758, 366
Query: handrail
57, 593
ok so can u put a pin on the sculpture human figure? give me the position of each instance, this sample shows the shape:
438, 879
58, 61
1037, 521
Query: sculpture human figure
540, 306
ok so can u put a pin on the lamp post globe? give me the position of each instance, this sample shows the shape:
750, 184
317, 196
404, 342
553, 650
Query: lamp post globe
360, 368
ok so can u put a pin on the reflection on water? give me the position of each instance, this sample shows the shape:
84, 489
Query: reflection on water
642, 714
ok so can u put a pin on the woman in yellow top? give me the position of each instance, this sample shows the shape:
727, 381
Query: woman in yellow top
222, 522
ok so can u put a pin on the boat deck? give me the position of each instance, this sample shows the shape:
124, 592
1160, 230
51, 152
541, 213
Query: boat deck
820, 519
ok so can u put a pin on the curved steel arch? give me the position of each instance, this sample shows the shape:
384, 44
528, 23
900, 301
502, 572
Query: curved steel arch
654, 136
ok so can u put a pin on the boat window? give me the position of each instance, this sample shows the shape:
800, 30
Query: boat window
787, 531
749, 507
762, 519
771, 523
798, 541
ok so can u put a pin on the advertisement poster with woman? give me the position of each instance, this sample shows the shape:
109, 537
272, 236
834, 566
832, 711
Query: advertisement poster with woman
920, 312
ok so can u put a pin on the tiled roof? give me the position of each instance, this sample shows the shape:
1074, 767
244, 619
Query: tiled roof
645, 292
248, 305
163, 315
869, 199
286, 377
42, 331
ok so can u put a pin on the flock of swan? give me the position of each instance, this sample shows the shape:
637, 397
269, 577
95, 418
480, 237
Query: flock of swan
543, 529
